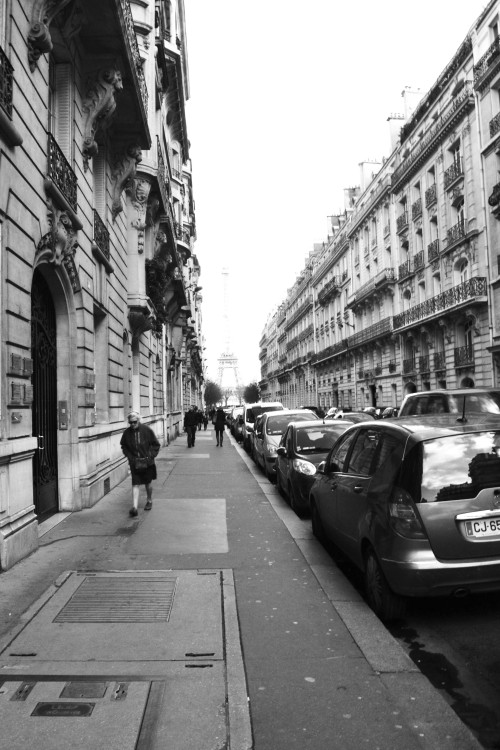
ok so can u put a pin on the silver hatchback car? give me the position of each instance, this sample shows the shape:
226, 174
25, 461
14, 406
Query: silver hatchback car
415, 504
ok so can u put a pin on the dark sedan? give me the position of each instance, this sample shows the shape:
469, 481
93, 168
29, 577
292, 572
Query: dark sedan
302, 448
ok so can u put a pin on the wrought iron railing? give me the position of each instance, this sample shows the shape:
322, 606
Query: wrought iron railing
416, 209
433, 250
439, 361
372, 332
424, 363
387, 229
101, 235
378, 369
494, 125
463, 292
418, 260
453, 172
402, 221
132, 40
409, 366
392, 365
328, 291
6, 79
456, 232
464, 356
405, 269
431, 195
61, 174
490, 56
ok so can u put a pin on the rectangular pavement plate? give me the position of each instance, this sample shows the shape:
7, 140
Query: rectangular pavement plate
93, 631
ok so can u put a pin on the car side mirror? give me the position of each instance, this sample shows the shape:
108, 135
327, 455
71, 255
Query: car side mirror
281, 451
321, 468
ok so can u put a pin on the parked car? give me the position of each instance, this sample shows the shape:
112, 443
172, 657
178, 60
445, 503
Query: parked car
415, 504
302, 448
250, 412
269, 427
352, 416
452, 402
320, 413
236, 423
389, 412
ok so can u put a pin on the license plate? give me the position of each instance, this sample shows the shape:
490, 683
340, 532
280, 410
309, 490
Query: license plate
483, 527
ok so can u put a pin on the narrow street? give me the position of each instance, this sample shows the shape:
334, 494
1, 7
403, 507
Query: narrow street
254, 606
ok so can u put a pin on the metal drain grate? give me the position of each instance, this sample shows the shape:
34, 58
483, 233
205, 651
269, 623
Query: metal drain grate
116, 599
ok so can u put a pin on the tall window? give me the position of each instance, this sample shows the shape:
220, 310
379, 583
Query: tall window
61, 107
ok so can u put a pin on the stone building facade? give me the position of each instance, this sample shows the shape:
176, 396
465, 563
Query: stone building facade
100, 307
404, 294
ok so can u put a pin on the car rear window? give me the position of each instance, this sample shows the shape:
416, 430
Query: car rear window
317, 439
488, 403
458, 466
276, 425
254, 412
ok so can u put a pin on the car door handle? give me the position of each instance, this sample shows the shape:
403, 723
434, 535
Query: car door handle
358, 488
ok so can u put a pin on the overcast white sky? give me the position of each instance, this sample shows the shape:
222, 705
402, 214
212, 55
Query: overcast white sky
286, 99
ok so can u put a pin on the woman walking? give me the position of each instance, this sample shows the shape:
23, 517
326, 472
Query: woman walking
219, 424
140, 445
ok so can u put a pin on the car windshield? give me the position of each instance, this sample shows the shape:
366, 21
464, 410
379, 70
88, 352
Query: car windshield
459, 466
277, 424
317, 439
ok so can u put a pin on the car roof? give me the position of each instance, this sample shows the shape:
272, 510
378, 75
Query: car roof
321, 423
452, 392
442, 425
284, 412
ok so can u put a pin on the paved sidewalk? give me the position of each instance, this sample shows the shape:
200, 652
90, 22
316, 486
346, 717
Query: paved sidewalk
213, 621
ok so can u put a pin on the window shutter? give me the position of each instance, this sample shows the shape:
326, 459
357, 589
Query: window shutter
63, 110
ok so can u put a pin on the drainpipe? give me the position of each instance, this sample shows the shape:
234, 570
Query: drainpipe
486, 232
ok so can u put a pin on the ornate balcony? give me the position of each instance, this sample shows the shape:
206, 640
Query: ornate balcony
453, 172
487, 65
378, 369
392, 365
439, 361
467, 291
456, 232
328, 292
433, 250
402, 222
101, 235
416, 209
6, 78
494, 125
405, 269
409, 366
464, 356
418, 261
424, 363
431, 195
374, 331
61, 174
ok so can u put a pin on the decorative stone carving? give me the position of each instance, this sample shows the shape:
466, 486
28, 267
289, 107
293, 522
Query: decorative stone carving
74, 21
124, 170
138, 190
472, 322
140, 322
39, 39
446, 331
98, 105
58, 245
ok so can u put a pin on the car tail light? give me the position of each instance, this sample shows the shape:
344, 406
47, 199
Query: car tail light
304, 467
403, 517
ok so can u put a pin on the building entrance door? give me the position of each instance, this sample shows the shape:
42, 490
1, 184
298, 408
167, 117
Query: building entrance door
44, 355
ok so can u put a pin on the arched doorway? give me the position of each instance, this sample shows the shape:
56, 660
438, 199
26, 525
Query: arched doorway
44, 415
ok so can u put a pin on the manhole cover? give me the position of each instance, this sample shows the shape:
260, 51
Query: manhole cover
112, 599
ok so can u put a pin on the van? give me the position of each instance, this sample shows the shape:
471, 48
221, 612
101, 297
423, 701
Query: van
459, 401
250, 413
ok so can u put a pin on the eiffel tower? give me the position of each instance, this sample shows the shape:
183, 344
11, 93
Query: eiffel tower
228, 377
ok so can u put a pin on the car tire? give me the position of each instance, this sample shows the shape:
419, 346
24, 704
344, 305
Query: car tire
387, 605
294, 504
317, 527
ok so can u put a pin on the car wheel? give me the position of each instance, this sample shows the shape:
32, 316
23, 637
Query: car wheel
385, 603
317, 527
295, 502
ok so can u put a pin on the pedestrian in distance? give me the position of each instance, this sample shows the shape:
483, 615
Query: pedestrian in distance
140, 445
199, 414
190, 425
219, 424
205, 420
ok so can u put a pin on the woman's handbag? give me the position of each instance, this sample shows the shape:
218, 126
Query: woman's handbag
141, 464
